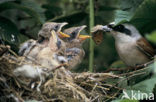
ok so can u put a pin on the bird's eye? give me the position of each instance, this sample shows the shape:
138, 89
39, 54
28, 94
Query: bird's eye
119, 28
73, 35
110, 26
56, 27
122, 29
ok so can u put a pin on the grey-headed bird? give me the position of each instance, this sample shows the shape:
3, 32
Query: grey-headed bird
132, 48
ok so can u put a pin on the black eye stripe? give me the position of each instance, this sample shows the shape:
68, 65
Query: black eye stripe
122, 29
127, 31
119, 28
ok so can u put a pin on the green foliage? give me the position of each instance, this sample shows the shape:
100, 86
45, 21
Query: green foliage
118, 64
124, 100
2, 1
144, 86
71, 18
52, 9
127, 10
32, 101
145, 16
91, 44
151, 37
127, 100
141, 13
22, 20
9, 33
36, 9
28, 10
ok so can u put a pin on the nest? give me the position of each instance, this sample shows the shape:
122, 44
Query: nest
63, 85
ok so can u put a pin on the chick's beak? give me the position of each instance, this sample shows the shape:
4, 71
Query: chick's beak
81, 28
56, 40
63, 24
63, 35
53, 41
84, 37
53, 36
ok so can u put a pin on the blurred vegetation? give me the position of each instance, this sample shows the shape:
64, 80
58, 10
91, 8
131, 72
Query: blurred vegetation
21, 20
25, 18
91, 42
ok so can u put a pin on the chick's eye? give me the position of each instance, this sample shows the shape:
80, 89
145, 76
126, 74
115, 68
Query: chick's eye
56, 27
73, 35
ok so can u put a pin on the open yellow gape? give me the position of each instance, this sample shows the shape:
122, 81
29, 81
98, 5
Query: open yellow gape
63, 35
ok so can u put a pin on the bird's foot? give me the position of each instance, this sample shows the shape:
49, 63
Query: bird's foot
144, 65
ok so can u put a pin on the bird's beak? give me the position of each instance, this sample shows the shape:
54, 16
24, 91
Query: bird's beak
63, 35
53, 41
80, 29
84, 37
53, 36
63, 24
83, 27
106, 28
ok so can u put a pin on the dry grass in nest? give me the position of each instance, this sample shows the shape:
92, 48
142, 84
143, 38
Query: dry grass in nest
63, 86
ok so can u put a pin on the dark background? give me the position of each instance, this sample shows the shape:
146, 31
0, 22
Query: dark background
21, 20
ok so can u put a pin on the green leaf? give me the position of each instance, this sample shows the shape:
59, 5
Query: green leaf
52, 10
2, 1
151, 37
31, 101
124, 100
36, 7
118, 64
140, 89
28, 10
9, 32
146, 86
106, 8
72, 18
127, 100
145, 16
128, 8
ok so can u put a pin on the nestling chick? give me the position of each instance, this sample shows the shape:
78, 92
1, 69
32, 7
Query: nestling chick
132, 48
31, 47
74, 50
45, 32
26, 47
46, 59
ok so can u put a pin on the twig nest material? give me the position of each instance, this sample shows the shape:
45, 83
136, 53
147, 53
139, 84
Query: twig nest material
62, 86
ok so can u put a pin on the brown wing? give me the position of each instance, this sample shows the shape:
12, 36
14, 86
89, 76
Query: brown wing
145, 47
98, 37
